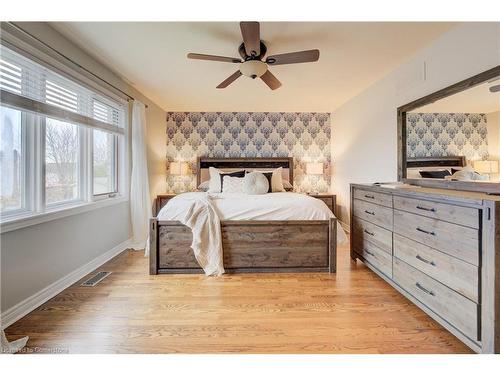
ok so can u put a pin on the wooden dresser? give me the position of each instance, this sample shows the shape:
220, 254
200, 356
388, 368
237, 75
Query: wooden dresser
440, 249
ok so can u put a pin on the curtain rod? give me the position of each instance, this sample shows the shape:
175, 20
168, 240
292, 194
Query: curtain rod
73, 62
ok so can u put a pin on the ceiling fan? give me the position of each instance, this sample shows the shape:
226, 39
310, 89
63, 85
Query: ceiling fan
252, 51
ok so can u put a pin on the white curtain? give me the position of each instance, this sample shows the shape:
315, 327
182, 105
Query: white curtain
140, 202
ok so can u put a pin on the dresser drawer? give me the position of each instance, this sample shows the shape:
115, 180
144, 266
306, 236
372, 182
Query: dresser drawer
374, 197
448, 212
452, 239
373, 213
454, 273
363, 230
378, 258
459, 311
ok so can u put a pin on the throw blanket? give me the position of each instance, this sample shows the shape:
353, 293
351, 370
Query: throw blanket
201, 217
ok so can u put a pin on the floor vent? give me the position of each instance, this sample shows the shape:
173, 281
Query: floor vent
97, 278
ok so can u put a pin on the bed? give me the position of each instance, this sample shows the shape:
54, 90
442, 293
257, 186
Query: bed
249, 245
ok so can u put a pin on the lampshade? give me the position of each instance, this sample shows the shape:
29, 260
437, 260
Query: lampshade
486, 166
253, 68
179, 168
314, 168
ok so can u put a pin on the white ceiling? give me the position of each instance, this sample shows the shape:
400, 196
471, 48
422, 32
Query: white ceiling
152, 57
478, 99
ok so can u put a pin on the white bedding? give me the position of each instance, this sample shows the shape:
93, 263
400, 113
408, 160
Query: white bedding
202, 212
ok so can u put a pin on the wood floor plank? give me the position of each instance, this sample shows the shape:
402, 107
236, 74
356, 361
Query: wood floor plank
353, 311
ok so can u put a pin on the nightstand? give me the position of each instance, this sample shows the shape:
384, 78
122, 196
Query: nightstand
329, 199
161, 200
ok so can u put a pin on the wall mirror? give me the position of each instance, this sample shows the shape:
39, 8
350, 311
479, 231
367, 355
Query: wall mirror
451, 138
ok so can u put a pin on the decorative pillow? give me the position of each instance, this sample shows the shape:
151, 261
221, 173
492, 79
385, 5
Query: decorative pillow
204, 186
216, 177
255, 183
239, 174
232, 184
287, 186
435, 174
276, 181
269, 176
468, 174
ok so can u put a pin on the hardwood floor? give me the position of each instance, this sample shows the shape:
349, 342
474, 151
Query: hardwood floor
353, 311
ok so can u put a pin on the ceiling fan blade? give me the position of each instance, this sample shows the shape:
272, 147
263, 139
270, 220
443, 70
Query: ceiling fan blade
270, 80
294, 57
251, 37
495, 88
200, 56
233, 77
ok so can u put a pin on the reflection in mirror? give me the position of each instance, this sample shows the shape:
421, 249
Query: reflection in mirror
456, 138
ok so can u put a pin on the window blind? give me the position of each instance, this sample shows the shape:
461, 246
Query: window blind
33, 87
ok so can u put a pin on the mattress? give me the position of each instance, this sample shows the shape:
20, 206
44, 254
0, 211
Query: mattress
271, 206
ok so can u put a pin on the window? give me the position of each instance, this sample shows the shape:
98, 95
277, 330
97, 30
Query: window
62, 149
104, 162
61, 143
11, 160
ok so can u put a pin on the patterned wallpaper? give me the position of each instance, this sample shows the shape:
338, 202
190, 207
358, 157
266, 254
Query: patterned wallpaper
305, 136
447, 134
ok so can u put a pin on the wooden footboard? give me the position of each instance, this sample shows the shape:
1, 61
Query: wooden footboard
249, 246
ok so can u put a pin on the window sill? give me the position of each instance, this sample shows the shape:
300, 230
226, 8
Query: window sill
11, 224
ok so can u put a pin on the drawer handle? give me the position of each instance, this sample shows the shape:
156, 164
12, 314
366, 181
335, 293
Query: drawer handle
425, 260
369, 212
430, 292
370, 253
425, 231
370, 233
426, 209
369, 196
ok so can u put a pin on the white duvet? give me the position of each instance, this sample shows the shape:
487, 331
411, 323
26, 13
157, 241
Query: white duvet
202, 212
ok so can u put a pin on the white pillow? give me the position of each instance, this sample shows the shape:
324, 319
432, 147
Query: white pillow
254, 183
468, 174
214, 184
276, 179
215, 180
232, 184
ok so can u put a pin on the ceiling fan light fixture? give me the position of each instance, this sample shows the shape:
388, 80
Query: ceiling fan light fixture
253, 68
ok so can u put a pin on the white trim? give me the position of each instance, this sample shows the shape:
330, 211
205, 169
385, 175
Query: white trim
29, 304
33, 219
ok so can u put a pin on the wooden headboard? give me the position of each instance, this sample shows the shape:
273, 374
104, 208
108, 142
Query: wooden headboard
436, 161
244, 163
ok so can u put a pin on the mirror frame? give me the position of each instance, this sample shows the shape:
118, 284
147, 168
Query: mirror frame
485, 187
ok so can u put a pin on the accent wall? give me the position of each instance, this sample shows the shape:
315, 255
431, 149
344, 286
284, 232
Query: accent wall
304, 136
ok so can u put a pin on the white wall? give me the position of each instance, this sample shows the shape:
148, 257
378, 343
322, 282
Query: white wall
364, 130
32, 258
493, 124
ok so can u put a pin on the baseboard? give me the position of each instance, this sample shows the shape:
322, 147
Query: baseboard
16, 312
